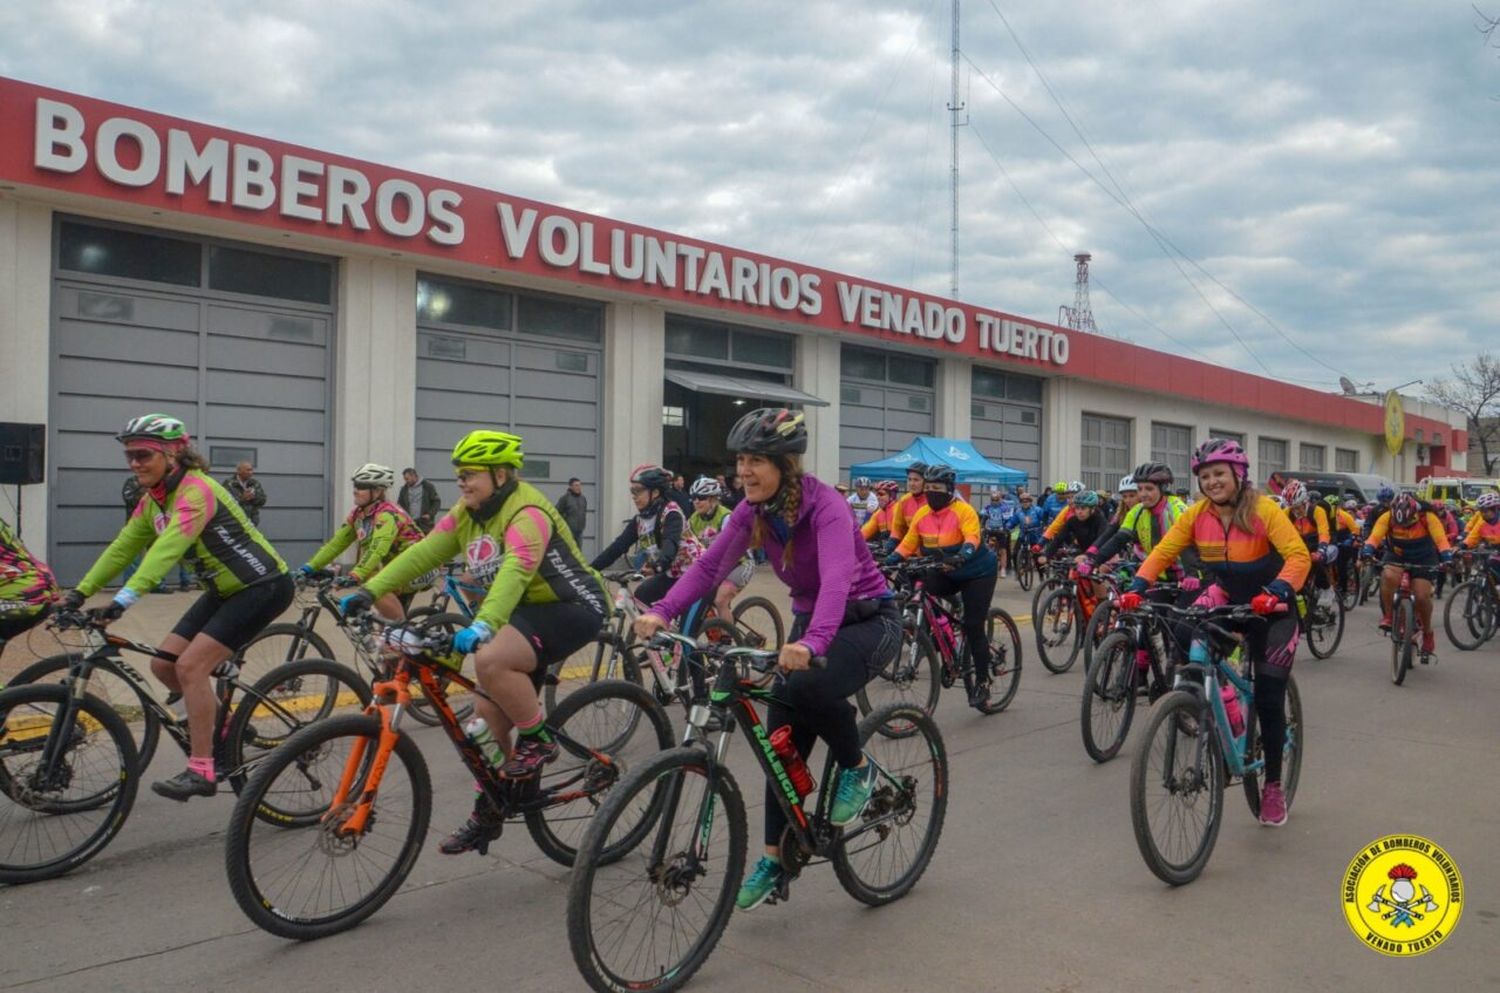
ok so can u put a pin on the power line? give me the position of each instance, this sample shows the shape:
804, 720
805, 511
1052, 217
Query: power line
1162, 240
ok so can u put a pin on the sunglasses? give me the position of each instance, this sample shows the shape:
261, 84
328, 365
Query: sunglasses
464, 475
637, 490
139, 454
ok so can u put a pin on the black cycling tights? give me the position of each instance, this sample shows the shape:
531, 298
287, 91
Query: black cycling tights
976, 595
1270, 711
815, 702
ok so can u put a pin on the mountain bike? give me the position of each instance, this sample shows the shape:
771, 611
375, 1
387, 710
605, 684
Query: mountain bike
1405, 632
1191, 749
1114, 678
1321, 617
362, 795
70, 764
1472, 614
934, 654
1024, 563
1063, 616
288, 641
646, 913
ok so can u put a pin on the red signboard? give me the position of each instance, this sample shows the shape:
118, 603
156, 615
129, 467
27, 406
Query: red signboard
60, 141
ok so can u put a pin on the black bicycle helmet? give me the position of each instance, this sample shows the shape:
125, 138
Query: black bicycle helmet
651, 476
940, 474
1153, 472
769, 431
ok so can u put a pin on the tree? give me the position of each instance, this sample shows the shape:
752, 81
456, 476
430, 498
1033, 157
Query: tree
1475, 390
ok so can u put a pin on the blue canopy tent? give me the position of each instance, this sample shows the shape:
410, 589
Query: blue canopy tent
966, 460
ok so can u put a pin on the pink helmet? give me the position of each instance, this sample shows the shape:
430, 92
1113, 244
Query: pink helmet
1222, 450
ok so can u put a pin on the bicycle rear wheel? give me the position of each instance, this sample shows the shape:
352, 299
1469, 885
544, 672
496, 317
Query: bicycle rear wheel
614, 658
1469, 616
883, 854
1325, 626
1291, 751
912, 677
1403, 630
278, 644
1025, 570
281, 703
55, 816
1057, 634
1109, 696
316, 879
648, 918
1005, 660
113, 689
1177, 789
759, 624
605, 730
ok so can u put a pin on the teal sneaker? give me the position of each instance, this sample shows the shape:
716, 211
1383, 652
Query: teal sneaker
761, 883
852, 793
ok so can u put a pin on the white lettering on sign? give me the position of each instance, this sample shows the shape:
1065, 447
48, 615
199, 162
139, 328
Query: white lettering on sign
129, 153
887, 310
1024, 341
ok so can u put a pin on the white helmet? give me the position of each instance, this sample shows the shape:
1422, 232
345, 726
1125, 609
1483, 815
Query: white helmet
370, 474
704, 487
1127, 485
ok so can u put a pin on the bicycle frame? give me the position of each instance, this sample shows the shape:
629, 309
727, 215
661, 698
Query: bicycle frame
1208, 660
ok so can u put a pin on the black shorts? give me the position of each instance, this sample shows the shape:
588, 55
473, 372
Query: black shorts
555, 630
232, 621
1419, 570
14, 623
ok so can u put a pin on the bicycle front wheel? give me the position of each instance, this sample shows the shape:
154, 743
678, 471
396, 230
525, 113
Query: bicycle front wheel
1325, 626
281, 703
1177, 789
759, 623
1109, 696
648, 918
912, 677
1469, 616
1057, 636
57, 813
1005, 659
883, 854
605, 730
110, 686
1403, 630
1025, 570
316, 875
1101, 622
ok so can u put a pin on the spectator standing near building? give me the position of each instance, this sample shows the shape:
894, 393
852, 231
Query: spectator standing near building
574, 507
419, 498
245, 488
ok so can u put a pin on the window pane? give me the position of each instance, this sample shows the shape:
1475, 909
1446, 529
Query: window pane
455, 303
912, 372
1345, 460
762, 348
239, 271
1310, 458
1024, 388
696, 338
861, 363
988, 383
109, 252
1228, 435
561, 319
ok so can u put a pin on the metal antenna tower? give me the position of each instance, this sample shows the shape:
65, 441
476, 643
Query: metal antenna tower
1080, 316
955, 107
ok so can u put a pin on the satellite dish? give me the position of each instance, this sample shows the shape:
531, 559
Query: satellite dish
1346, 386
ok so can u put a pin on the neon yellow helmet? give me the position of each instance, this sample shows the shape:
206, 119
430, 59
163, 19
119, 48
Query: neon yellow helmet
489, 448
1061, 486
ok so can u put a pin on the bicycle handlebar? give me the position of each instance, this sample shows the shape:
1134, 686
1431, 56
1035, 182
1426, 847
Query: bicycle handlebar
757, 659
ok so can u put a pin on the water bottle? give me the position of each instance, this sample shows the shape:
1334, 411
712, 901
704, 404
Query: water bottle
791, 759
1232, 708
479, 733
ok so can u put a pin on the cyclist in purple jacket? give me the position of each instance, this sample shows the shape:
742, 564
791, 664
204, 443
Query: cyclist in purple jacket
842, 609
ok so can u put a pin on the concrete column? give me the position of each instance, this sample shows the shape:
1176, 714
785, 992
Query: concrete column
1062, 432
817, 371
25, 338
635, 355
375, 380
955, 391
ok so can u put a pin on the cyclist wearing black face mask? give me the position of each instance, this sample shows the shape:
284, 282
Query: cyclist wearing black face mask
949, 526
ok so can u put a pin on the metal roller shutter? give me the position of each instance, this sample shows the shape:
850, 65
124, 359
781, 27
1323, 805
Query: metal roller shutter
543, 382
250, 377
885, 400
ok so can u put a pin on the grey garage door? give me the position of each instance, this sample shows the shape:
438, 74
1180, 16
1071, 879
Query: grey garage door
487, 357
144, 322
885, 400
1007, 420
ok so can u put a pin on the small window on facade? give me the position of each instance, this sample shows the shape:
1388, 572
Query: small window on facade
1345, 460
572, 361
226, 457
761, 348
456, 303
697, 339
1311, 458
236, 270
1105, 451
561, 319
129, 254
1172, 444
1028, 417
849, 394
446, 348
976, 410
917, 402
1273, 457
863, 363
1027, 389
912, 372
988, 383
673, 417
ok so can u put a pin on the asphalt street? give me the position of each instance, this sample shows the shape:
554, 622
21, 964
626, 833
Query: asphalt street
1036, 885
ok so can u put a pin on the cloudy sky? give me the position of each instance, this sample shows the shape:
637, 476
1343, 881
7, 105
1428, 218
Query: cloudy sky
1332, 165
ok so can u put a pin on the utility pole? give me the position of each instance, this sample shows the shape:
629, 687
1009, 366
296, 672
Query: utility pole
955, 107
